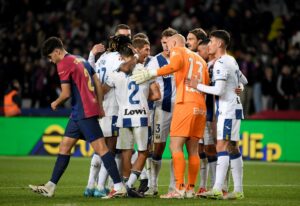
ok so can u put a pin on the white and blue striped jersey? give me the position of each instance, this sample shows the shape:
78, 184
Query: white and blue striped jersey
132, 99
106, 64
228, 105
166, 84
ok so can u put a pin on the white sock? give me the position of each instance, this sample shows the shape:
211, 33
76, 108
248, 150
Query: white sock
118, 186
94, 171
226, 181
144, 174
118, 159
103, 175
148, 170
155, 166
212, 171
134, 175
236, 162
172, 177
50, 185
221, 170
203, 172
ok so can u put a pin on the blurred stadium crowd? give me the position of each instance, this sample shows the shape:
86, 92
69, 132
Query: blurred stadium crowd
265, 40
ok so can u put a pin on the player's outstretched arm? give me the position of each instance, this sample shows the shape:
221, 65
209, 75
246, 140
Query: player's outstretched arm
217, 89
144, 75
64, 95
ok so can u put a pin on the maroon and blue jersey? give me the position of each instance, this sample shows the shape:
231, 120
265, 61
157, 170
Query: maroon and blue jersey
77, 72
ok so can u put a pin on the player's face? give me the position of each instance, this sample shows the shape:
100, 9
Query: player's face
144, 52
54, 56
163, 41
192, 42
125, 32
213, 45
203, 51
170, 44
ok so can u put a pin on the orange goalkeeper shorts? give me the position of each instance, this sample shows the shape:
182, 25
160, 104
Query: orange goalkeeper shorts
188, 120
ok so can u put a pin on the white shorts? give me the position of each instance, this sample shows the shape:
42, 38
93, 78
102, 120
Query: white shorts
208, 138
228, 129
162, 123
108, 126
129, 136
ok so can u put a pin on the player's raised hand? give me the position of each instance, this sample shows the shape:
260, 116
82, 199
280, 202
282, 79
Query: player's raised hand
98, 48
141, 76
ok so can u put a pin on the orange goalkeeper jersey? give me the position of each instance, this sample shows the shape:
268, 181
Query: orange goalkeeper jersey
186, 64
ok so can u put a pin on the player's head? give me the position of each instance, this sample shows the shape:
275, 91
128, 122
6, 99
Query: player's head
219, 39
53, 49
126, 54
167, 33
176, 40
195, 37
123, 29
202, 49
141, 36
143, 48
117, 42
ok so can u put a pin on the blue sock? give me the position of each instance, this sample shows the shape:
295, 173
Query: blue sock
111, 167
61, 164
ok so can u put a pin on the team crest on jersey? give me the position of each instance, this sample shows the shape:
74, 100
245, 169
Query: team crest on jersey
102, 61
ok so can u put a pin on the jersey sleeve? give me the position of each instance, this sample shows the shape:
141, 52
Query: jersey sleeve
219, 71
110, 79
64, 72
92, 60
176, 62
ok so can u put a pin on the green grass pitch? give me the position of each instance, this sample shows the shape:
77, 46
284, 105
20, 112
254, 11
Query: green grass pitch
264, 184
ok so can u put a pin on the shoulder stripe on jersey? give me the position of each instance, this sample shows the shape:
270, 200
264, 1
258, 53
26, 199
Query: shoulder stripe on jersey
166, 103
161, 60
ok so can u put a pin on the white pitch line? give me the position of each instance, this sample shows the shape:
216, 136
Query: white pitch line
77, 186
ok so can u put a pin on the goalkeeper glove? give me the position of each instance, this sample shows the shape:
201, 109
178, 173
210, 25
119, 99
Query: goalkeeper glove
140, 76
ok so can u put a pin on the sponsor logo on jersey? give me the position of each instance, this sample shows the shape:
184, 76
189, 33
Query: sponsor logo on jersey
135, 111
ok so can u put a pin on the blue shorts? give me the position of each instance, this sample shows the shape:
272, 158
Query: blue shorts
87, 129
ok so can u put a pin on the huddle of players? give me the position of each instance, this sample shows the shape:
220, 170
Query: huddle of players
129, 113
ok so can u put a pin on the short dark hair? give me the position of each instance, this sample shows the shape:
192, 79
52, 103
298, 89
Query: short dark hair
204, 42
223, 35
168, 32
199, 33
117, 42
141, 36
125, 51
50, 44
139, 43
121, 26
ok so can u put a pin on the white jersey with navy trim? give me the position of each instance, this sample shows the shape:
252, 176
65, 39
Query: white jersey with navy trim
228, 105
166, 84
107, 63
132, 99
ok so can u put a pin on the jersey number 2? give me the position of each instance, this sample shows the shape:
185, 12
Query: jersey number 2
134, 92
